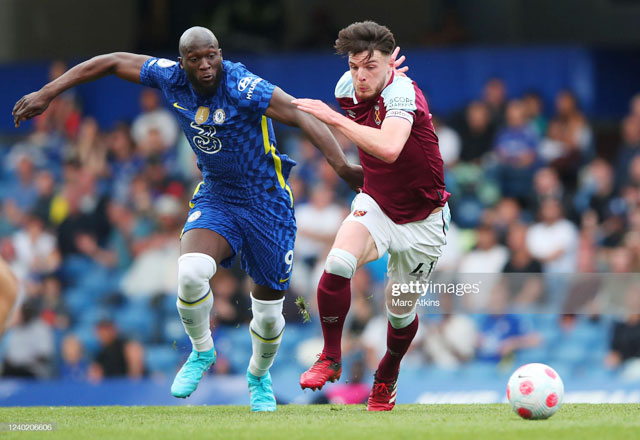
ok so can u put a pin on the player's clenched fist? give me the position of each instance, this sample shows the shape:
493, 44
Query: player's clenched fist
29, 106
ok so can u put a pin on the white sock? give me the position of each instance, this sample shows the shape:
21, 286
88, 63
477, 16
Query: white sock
195, 299
266, 328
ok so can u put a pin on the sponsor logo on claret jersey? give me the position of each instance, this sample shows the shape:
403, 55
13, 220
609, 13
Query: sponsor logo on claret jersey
401, 100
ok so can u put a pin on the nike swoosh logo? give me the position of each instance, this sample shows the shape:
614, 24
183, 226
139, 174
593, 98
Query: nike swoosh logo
285, 280
175, 104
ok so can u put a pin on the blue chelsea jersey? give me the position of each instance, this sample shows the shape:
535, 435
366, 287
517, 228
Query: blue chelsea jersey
233, 140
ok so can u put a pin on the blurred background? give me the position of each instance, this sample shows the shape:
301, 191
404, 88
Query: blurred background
537, 108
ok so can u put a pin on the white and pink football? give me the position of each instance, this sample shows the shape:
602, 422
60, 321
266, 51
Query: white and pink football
535, 391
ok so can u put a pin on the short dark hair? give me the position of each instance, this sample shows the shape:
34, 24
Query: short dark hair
365, 36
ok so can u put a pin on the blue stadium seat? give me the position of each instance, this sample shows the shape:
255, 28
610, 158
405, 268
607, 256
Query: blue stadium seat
162, 359
479, 371
78, 300
532, 355
135, 321
86, 335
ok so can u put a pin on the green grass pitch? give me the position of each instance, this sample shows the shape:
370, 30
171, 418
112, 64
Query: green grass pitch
413, 422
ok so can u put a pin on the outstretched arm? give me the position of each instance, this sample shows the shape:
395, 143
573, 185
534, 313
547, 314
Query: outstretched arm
283, 110
122, 64
386, 143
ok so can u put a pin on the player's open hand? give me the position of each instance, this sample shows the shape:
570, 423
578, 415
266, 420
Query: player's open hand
29, 106
397, 62
318, 109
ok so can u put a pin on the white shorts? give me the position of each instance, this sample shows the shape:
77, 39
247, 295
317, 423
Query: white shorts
414, 248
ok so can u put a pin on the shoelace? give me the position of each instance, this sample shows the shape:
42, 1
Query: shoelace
381, 388
260, 397
318, 366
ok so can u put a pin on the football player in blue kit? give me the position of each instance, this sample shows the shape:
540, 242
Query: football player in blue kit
244, 204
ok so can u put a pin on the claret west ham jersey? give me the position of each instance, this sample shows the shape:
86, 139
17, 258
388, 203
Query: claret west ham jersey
413, 186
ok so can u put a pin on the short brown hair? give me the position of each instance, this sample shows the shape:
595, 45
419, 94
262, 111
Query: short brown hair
365, 36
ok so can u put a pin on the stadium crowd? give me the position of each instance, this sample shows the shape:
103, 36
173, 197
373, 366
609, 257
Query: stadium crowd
91, 218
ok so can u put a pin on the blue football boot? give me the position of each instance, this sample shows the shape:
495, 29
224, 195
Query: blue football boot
192, 372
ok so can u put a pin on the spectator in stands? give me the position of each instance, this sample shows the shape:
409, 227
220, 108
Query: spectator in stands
79, 208
74, 365
448, 141
154, 117
63, 115
91, 149
35, 248
634, 106
22, 191
318, 222
625, 342
123, 162
534, 107
154, 270
231, 306
515, 149
117, 356
30, 346
53, 309
504, 215
615, 282
45, 186
629, 148
523, 283
451, 341
309, 158
547, 185
476, 132
553, 149
554, 240
576, 136
501, 335
597, 195
488, 256
494, 95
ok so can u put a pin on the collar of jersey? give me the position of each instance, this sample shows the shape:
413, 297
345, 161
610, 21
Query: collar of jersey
393, 74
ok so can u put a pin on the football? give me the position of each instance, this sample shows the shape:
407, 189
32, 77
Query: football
535, 391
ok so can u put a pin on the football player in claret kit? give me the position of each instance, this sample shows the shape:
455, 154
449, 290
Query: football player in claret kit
244, 203
402, 208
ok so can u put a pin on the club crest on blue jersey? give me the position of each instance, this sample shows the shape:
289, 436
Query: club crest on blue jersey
219, 116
